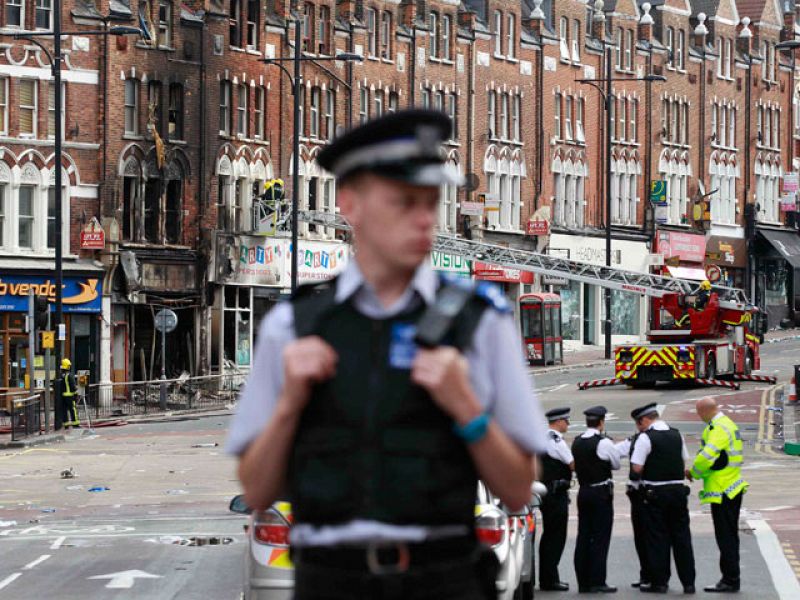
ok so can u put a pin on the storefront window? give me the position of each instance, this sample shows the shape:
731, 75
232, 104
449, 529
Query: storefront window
237, 326
571, 311
625, 313
776, 275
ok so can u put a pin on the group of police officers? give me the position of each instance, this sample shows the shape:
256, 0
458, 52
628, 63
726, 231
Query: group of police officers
658, 496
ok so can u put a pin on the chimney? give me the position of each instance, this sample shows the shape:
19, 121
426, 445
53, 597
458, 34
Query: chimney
346, 9
408, 13
646, 23
535, 20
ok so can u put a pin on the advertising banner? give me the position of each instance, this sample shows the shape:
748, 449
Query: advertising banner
79, 294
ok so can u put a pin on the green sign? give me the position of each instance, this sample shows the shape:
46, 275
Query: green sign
451, 263
658, 192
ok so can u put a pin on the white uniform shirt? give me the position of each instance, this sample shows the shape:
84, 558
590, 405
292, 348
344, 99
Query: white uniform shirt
643, 447
606, 450
497, 372
557, 448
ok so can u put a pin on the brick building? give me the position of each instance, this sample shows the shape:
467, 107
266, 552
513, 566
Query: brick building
170, 140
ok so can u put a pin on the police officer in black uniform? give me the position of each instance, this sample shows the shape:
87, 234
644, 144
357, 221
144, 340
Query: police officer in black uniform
658, 458
378, 400
557, 467
635, 494
595, 458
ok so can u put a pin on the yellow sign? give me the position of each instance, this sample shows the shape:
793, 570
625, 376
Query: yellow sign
48, 340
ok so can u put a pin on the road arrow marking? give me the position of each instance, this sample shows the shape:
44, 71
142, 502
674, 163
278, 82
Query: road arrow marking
124, 579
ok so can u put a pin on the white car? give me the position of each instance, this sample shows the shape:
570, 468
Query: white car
269, 573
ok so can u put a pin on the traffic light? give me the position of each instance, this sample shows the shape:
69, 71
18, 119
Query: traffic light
40, 309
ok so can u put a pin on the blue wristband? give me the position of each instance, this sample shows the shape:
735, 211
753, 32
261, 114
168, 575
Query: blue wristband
473, 431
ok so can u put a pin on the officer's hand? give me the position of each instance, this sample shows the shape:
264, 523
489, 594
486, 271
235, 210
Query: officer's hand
444, 373
688, 474
306, 361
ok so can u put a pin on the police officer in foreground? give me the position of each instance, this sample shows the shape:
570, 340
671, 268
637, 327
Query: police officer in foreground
595, 458
376, 401
635, 495
719, 465
658, 460
557, 467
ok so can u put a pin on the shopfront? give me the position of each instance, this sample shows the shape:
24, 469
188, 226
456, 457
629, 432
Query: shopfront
730, 255
82, 308
509, 280
249, 275
777, 275
583, 304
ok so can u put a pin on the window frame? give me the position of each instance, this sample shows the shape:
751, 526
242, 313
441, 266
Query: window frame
242, 110
446, 29
18, 6
51, 94
681, 49
176, 109
498, 33
28, 218
4, 104
252, 27
622, 130
568, 132
670, 45
580, 133
452, 112
563, 36
39, 8
628, 50
323, 30
557, 115
433, 34
131, 109
372, 32
516, 116
330, 113
165, 25
492, 113
386, 35
633, 111
511, 32
259, 112
34, 108
314, 108
363, 105
575, 41
225, 101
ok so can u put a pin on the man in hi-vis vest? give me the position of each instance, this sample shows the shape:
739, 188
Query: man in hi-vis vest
69, 394
719, 465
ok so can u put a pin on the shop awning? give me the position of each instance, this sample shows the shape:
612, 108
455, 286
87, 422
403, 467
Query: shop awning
687, 273
787, 243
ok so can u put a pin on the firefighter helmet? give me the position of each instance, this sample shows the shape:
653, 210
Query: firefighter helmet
66, 364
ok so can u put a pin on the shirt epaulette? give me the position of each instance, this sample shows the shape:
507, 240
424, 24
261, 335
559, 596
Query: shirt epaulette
554, 436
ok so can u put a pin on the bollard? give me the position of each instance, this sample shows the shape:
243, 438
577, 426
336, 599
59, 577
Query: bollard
792, 395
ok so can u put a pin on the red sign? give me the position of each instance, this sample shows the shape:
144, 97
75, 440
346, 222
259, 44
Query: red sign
489, 272
538, 228
688, 247
93, 240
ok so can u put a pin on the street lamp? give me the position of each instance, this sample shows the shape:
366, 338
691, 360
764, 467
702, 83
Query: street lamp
55, 57
296, 81
608, 99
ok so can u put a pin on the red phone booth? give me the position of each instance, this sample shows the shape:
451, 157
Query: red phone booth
540, 317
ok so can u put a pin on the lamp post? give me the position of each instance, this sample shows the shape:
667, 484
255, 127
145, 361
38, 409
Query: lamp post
296, 81
55, 57
608, 99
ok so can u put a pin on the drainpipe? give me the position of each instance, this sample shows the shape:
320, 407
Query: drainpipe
700, 32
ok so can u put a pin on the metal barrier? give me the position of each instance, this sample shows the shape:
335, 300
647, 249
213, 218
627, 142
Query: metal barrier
26, 417
129, 398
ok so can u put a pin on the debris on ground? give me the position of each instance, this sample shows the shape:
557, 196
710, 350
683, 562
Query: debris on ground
48, 510
98, 488
174, 540
177, 492
206, 445
68, 473
74, 488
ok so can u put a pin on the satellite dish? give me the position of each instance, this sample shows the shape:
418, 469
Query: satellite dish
471, 182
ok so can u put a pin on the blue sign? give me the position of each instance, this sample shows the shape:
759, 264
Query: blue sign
79, 294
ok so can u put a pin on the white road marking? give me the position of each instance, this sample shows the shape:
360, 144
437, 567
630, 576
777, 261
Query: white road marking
775, 508
38, 561
124, 579
779, 568
559, 387
57, 544
8, 580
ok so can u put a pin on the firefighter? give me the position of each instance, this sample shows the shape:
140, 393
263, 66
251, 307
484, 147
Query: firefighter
69, 394
702, 295
557, 467
595, 458
376, 425
657, 459
719, 465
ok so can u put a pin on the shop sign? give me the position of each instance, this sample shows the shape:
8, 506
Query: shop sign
687, 247
451, 263
248, 259
472, 209
317, 261
93, 237
726, 252
538, 227
489, 272
790, 183
79, 294
658, 192
787, 202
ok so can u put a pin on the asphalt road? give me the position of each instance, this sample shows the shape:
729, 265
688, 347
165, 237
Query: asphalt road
168, 484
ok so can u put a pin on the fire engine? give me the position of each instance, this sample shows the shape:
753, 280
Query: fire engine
722, 338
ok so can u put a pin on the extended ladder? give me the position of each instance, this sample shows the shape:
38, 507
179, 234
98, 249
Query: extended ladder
525, 260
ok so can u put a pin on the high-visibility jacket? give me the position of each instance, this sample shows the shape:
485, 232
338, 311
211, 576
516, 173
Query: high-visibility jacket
719, 462
69, 385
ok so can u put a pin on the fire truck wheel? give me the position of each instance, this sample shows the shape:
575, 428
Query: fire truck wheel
711, 367
748, 363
